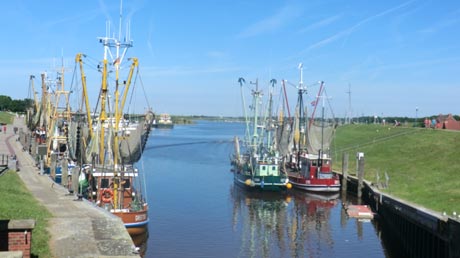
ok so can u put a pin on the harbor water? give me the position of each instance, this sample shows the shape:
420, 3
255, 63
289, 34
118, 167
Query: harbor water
197, 211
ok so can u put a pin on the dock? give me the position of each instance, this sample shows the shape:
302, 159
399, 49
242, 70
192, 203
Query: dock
77, 228
359, 211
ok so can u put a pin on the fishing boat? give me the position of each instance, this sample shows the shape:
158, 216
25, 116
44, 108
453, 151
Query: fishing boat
257, 164
310, 165
164, 122
114, 141
49, 121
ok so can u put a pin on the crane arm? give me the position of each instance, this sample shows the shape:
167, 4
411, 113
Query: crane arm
78, 59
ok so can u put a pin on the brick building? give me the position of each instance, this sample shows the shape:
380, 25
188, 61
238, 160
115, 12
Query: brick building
447, 122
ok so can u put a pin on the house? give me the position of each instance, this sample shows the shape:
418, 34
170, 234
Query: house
447, 122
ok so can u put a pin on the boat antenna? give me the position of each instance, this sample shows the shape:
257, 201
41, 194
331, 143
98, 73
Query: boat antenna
256, 98
121, 16
270, 119
241, 81
349, 104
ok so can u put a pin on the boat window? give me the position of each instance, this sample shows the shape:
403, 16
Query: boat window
273, 168
127, 183
263, 167
104, 183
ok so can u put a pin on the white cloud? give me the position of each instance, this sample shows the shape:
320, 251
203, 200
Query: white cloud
183, 70
271, 23
444, 23
350, 30
321, 23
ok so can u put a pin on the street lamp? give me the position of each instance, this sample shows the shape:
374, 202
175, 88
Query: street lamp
416, 113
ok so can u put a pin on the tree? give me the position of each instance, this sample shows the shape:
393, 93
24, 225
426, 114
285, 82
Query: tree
5, 102
16, 105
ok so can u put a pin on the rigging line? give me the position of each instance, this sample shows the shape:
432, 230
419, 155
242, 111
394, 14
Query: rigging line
142, 146
74, 74
143, 89
132, 92
187, 143
329, 104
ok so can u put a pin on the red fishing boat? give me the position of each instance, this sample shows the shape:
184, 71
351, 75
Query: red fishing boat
310, 166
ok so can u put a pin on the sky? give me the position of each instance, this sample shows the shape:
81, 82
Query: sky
398, 58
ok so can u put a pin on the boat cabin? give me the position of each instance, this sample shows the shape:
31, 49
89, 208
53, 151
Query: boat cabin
312, 166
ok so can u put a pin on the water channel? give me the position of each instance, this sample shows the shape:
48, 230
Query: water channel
197, 211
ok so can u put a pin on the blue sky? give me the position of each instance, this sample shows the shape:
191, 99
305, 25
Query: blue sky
396, 55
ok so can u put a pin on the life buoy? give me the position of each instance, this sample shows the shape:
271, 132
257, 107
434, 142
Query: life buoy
107, 195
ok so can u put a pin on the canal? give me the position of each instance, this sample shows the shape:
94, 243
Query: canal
196, 211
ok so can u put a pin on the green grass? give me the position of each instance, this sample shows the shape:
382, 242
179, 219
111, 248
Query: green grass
6, 118
423, 165
17, 203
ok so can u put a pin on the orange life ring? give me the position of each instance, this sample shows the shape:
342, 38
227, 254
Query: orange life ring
107, 195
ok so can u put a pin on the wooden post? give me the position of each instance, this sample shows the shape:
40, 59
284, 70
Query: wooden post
75, 174
344, 172
64, 171
360, 175
53, 166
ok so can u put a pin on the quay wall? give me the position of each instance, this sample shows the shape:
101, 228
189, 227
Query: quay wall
411, 229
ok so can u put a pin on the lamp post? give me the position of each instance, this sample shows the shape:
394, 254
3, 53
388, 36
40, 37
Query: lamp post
416, 113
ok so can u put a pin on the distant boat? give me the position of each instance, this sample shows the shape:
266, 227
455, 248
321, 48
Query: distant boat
164, 122
310, 166
258, 165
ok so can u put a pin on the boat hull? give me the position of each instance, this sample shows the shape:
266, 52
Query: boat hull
315, 184
135, 221
163, 126
266, 183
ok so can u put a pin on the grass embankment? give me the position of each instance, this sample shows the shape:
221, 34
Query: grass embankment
6, 118
422, 164
17, 203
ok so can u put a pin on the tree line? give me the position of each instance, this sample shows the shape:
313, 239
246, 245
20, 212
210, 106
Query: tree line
14, 105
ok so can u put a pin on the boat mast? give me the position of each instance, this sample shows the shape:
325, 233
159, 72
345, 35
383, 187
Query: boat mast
270, 119
241, 81
32, 89
316, 103
119, 47
79, 60
300, 106
256, 96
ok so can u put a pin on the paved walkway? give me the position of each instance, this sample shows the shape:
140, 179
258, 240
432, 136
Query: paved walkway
78, 229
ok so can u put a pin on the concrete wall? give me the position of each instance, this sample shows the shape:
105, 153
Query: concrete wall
413, 230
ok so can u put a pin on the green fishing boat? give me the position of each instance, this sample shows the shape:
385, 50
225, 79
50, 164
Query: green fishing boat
256, 165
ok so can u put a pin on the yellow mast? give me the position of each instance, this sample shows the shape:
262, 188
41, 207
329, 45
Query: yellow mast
115, 138
103, 114
119, 113
78, 59
36, 105
56, 114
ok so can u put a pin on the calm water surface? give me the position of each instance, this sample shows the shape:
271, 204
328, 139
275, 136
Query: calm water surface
196, 211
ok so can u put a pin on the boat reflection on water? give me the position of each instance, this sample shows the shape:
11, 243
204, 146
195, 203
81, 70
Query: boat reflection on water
311, 228
294, 224
140, 241
261, 218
